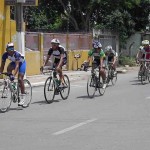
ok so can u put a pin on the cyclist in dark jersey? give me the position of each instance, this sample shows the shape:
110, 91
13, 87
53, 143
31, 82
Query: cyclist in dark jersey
18, 64
58, 56
111, 57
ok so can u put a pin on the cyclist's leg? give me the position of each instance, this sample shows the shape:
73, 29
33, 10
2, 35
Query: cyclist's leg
103, 74
60, 72
11, 67
21, 73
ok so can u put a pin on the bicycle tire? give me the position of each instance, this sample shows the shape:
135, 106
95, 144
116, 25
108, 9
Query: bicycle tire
100, 87
91, 83
49, 96
28, 91
5, 98
114, 79
143, 76
66, 88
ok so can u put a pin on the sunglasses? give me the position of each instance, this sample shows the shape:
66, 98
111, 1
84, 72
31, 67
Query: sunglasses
10, 48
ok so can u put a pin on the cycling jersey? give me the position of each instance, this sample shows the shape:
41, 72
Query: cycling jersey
110, 54
96, 55
57, 54
146, 52
16, 57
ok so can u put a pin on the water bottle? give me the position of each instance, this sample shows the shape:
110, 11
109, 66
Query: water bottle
14, 86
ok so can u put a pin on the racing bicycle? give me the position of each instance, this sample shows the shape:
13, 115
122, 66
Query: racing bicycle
10, 92
52, 86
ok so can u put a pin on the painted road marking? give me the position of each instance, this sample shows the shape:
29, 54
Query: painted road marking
74, 127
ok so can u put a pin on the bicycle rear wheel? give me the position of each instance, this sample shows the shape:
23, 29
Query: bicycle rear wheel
28, 92
64, 91
91, 86
5, 98
49, 90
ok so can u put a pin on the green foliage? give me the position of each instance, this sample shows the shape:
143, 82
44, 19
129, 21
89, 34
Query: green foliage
124, 16
124, 60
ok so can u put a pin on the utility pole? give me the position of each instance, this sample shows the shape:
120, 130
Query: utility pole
19, 26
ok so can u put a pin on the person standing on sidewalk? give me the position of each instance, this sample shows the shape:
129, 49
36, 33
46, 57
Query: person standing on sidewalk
58, 56
18, 64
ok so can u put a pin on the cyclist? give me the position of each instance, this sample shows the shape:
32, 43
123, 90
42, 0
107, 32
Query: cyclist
111, 56
98, 56
59, 58
144, 52
17, 65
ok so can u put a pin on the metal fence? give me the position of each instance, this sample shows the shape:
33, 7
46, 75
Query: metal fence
70, 41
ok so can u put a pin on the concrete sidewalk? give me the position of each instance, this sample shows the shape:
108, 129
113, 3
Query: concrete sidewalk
39, 80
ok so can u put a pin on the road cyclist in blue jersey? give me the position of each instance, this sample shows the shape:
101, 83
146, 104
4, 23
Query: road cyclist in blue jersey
16, 66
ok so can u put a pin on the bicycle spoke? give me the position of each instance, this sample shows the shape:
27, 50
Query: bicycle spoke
64, 91
5, 98
28, 93
49, 90
91, 87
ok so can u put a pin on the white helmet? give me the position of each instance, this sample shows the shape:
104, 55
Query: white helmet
97, 44
55, 41
10, 46
109, 48
145, 42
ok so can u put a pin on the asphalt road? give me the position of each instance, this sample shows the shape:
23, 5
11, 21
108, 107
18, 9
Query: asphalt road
119, 120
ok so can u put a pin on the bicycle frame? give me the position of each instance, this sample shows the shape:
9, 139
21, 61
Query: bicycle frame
8, 84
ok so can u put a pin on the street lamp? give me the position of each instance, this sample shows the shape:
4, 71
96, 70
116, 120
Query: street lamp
68, 10
67, 42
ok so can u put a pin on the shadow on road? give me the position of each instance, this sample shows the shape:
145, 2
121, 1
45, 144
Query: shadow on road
85, 97
44, 102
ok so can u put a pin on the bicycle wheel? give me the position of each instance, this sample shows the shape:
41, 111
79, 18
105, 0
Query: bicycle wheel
91, 86
5, 98
49, 90
143, 76
28, 91
64, 91
114, 78
101, 89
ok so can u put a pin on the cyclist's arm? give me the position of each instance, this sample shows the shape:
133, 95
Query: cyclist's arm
61, 60
2, 66
101, 62
48, 56
114, 60
4, 57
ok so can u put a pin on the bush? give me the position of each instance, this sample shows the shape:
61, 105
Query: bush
124, 60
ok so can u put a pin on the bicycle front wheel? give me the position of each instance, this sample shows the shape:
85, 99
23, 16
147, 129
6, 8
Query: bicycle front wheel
28, 92
64, 91
114, 79
101, 87
49, 90
91, 87
5, 98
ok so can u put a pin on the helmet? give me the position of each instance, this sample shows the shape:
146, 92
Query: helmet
97, 44
145, 42
10, 46
55, 41
109, 48
141, 47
